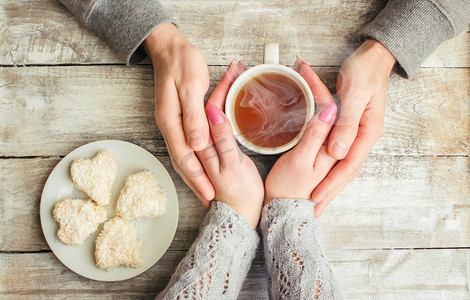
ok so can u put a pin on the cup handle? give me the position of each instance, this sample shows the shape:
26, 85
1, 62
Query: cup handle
271, 53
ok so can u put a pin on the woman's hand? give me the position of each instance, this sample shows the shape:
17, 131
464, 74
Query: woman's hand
361, 87
233, 174
297, 172
181, 81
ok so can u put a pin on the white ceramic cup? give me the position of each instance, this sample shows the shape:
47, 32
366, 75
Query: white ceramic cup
270, 65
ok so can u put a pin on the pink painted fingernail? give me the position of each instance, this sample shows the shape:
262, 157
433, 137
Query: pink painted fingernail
328, 114
241, 67
298, 63
231, 65
215, 114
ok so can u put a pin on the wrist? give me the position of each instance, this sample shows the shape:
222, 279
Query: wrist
162, 40
251, 215
378, 53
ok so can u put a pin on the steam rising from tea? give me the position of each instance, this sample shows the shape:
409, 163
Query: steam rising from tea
270, 110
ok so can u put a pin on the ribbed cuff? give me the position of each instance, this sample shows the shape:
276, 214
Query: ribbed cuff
278, 207
411, 30
281, 204
124, 25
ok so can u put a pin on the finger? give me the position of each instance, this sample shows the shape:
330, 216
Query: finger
204, 201
219, 94
321, 94
191, 167
209, 156
352, 108
222, 135
241, 67
209, 159
344, 172
324, 162
196, 129
169, 121
315, 134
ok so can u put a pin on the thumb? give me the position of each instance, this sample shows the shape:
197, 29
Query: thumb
195, 124
353, 104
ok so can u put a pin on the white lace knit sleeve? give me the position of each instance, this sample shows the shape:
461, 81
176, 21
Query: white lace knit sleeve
297, 267
218, 261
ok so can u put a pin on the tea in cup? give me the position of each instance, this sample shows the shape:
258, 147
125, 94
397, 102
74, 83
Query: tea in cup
269, 106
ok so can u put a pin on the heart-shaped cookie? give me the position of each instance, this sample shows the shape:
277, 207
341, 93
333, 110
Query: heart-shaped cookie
117, 244
142, 196
95, 176
77, 219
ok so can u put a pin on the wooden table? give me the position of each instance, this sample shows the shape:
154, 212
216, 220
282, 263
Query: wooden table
401, 230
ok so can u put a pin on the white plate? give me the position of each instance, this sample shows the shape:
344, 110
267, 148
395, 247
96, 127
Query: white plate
156, 234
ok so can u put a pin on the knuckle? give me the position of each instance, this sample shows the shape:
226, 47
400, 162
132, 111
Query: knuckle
192, 82
348, 129
187, 166
219, 139
178, 159
222, 134
195, 83
351, 169
175, 166
347, 120
159, 118
192, 121
317, 133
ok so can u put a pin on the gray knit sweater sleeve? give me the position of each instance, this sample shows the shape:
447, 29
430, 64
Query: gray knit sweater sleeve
297, 267
218, 261
412, 29
124, 24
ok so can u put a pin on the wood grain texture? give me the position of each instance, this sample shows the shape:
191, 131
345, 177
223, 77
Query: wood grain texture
363, 274
395, 202
37, 105
322, 32
413, 191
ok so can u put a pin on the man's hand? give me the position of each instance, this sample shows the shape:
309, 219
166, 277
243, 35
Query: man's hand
361, 87
181, 81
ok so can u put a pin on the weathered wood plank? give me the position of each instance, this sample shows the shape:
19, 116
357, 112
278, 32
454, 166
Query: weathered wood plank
428, 115
423, 201
362, 274
451, 53
395, 202
402, 274
44, 32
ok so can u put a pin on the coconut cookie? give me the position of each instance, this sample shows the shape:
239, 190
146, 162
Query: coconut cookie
95, 176
77, 219
117, 244
142, 196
